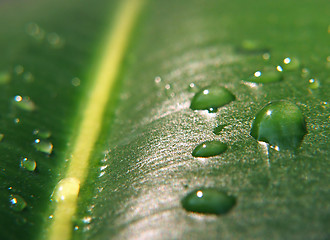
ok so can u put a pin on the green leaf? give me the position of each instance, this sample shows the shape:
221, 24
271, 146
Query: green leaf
98, 95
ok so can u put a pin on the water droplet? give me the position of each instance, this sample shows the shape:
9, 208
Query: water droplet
17, 203
19, 69
252, 46
28, 164
66, 189
218, 129
209, 149
158, 80
291, 64
4, 77
28, 77
1, 136
17, 120
75, 82
266, 56
281, 124
211, 99
305, 72
313, 83
43, 146
267, 76
24, 103
209, 201
35, 31
55, 40
42, 133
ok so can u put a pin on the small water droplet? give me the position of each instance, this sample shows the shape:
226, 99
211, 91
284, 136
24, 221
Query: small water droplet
266, 56
252, 46
17, 203
66, 189
75, 82
18, 69
28, 164
267, 76
291, 64
43, 146
305, 72
281, 124
208, 201
24, 103
28, 77
35, 31
4, 77
211, 98
55, 40
313, 83
158, 79
1, 136
209, 149
217, 130
42, 133
17, 120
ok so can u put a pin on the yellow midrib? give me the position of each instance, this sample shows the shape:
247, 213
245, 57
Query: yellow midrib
66, 193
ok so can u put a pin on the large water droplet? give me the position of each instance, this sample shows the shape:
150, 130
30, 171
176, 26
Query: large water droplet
291, 64
209, 201
17, 203
43, 146
28, 164
24, 103
281, 124
313, 83
211, 99
66, 189
42, 133
209, 149
267, 76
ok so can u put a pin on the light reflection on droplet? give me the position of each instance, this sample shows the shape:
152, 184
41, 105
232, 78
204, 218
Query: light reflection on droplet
199, 194
279, 68
257, 74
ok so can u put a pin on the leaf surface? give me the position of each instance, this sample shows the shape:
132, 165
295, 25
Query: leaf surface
141, 164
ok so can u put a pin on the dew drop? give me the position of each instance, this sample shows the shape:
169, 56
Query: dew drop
66, 189
1, 136
43, 146
55, 40
158, 79
291, 64
209, 149
28, 164
75, 82
4, 77
267, 76
19, 69
208, 201
305, 72
211, 98
313, 83
24, 103
42, 133
35, 31
252, 46
217, 130
281, 124
28, 77
17, 203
